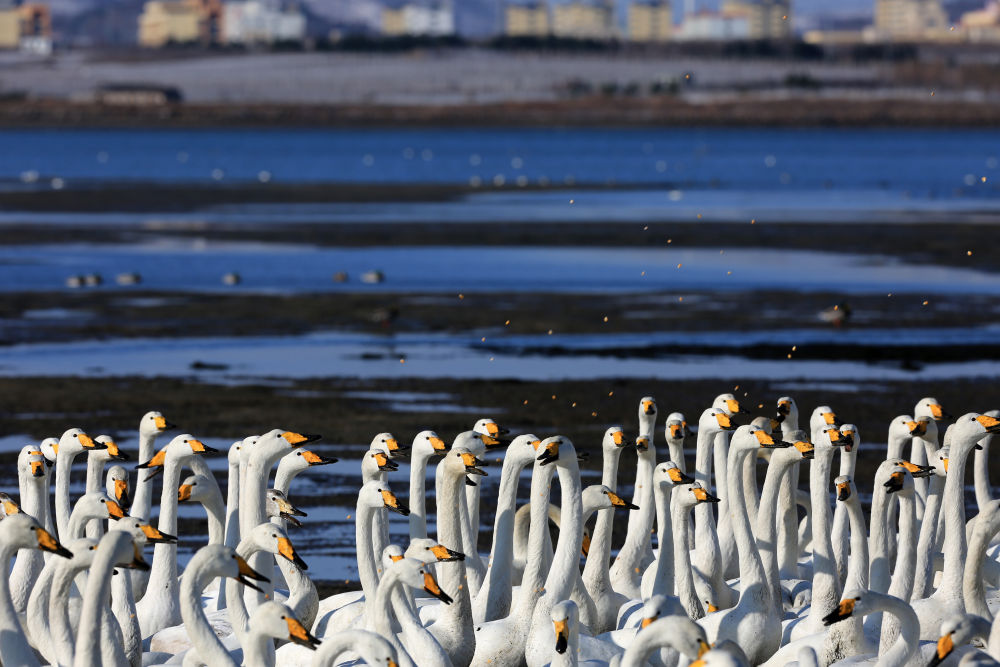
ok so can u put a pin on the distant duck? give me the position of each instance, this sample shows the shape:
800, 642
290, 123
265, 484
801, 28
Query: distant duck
128, 278
74, 282
231, 278
836, 315
373, 277
340, 277
92, 279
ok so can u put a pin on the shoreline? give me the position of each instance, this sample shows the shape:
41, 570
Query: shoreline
799, 111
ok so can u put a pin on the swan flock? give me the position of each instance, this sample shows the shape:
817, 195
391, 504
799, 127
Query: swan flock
751, 550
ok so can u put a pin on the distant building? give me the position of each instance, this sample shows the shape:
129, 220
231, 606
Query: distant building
27, 26
529, 19
136, 95
261, 22
584, 19
909, 19
982, 25
766, 19
650, 21
432, 19
164, 22
714, 26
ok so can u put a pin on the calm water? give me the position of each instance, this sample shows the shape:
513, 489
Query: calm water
921, 162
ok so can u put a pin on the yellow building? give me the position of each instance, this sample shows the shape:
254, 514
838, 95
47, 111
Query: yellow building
526, 20
165, 22
394, 21
26, 24
909, 19
766, 19
650, 21
982, 25
579, 19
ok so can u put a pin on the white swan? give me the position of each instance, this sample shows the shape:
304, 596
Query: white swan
626, 571
868, 602
426, 445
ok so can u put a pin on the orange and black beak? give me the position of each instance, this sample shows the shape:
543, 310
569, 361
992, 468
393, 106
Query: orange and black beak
472, 465
115, 453
115, 510
991, 424
159, 458
154, 536
445, 555
918, 470
725, 423
917, 428
121, 493
649, 407
562, 636
703, 496
297, 633
438, 445
641, 443
945, 645
37, 468
385, 464
842, 611
314, 459
678, 477
46, 542
184, 493
392, 503
287, 551
296, 439
162, 424
843, 492
87, 443
431, 586
768, 442
618, 501
938, 412
618, 438
138, 562
894, 483
246, 573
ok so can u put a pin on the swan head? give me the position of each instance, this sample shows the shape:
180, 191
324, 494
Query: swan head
273, 539
676, 427
957, 631
669, 473
303, 458
490, 432
427, 443
939, 460
32, 462
274, 619
556, 449
642, 444
23, 531
728, 404
973, 424
852, 437
117, 486
715, 420
50, 448
426, 550
697, 495
845, 488
111, 451
392, 503
143, 532
378, 459
98, 505
153, 423
602, 497
179, 449
830, 437
461, 461
565, 616
234, 453
523, 448
894, 477
277, 505
930, 407
614, 439
391, 554
647, 408
417, 576
917, 471
823, 416
389, 443
787, 409
753, 438
83, 551
659, 606
74, 441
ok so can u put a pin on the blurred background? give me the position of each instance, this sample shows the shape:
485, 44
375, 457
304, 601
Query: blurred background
349, 217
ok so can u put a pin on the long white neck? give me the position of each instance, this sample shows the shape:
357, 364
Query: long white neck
64, 465
29, 562
143, 497
87, 651
283, 477
683, 577
534, 569
452, 576
926, 541
565, 563
124, 614
986, 526
902, 576
954, 512
60, 630
233, 506
364, 519
724, 528
826, 584
163, 576
907, 643
216, 518
416, 639
708, 554
95, 479
981, 470
878, 545
666, 634
788, 523
303, 598
38, 609
494, 597
663, 575
857, 567
258, 650
640, 521
596, 576
418, 494
379, 614
753, 581
767, 528
209, 647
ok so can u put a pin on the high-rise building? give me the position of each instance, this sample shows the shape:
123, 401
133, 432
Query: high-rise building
526, 19
909, 19
164, 22
428, 19
766, 19
650, 21
584, 19
26, 26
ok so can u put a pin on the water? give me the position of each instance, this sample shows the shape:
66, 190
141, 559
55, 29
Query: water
924, 162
